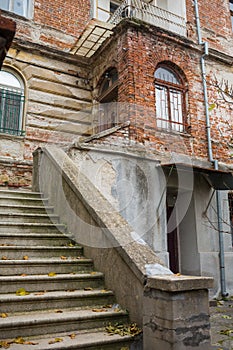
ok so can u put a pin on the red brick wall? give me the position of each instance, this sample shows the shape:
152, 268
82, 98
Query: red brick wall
137, 53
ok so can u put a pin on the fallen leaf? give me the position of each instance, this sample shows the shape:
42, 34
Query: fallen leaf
25, 257
23, 275
21, 292
93, 273
59, 311
19, 340
63, 257
72, 336
39, 293
56, 340
4, 344
227, 317
98, 310
3, 315
52, 274
30, 343
88, 288
4, 257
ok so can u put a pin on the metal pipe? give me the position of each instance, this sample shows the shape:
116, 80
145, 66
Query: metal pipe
210, 151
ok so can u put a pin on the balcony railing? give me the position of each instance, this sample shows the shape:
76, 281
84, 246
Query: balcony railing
151, 14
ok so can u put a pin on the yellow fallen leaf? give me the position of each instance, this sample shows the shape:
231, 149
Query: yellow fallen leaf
52, 274
22, 292
56, 340
25, 257
19, 340
4, 257
5, 344
72, 336
23, 275
88, 288
93, 273
63, 257
98, 310
4, 315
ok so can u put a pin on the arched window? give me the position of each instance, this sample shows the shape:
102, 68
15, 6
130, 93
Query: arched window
11, 103
170, 100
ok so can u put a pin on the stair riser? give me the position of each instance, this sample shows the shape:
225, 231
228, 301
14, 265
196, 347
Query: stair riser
23, 201
50, 284
18, 253
25, 194
27, 210
56, 304
34, 329
37, 241
33, 269
34, 219
32, 228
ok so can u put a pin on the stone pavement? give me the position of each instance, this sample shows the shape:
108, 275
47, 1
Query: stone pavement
221, 319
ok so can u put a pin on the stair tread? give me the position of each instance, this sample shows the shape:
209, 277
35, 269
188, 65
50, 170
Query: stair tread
5, 223
58, 276
29, 214
68, 260
80, 340
13, 247
49, 316
54, 294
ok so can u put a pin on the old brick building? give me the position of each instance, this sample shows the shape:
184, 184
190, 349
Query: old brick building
145, 86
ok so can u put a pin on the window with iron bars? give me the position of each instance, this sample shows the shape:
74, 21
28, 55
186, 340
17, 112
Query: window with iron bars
11, 104
20, 7
170, 100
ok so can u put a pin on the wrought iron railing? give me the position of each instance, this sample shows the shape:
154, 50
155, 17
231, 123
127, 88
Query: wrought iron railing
11, 112
151, 14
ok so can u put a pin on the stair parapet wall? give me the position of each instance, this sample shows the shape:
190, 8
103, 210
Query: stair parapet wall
107, 239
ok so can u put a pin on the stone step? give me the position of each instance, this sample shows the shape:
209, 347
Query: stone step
40, 283
11, 303
17, 208
27, 201
44, 266
32, 239
19, 252
31, 227
28, 218
51, 321
24, 194
81, 340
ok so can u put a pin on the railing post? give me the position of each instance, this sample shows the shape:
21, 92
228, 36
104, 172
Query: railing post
176, 313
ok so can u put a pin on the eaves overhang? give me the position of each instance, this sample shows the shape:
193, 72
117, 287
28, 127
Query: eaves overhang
217, 179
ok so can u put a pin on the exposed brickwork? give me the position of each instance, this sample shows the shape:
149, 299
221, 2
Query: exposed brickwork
58, 86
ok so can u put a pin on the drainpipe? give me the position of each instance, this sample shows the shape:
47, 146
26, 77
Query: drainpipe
210, 152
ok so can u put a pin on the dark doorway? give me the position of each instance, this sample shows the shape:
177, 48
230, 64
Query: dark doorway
172, 241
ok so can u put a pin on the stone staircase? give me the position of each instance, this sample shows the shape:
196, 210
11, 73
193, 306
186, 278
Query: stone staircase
50, 295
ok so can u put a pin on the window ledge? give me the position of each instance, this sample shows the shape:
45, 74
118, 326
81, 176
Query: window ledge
10, 137
173, 132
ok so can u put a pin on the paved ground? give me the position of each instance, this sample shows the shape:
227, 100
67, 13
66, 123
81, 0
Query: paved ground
222, 325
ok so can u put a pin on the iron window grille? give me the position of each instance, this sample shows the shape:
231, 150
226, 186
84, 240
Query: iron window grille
11, 111
170, 100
